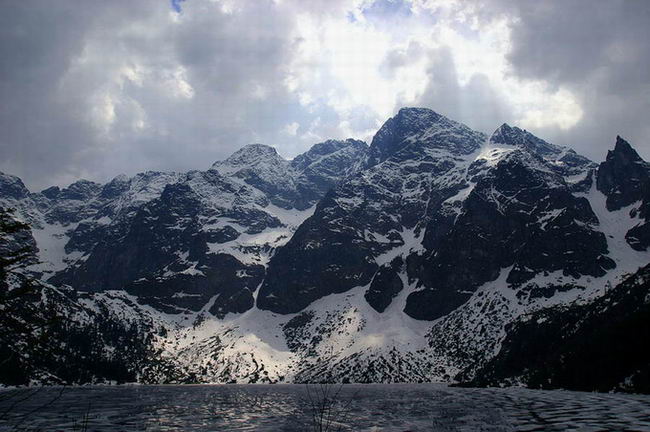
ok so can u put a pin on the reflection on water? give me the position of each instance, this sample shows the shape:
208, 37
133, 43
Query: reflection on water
375, 407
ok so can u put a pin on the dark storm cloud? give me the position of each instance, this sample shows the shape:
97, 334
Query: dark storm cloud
600, 51
44, 136
94, 88
35, 49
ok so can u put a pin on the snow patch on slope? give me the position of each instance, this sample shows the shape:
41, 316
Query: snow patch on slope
615, 224
51, 240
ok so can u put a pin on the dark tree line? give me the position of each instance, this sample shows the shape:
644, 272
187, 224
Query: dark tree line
17, 289
48, 336
16, 253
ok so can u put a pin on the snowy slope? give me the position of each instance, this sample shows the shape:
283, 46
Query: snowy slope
405, 261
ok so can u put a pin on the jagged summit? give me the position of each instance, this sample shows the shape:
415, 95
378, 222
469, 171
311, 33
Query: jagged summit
51, 193
120, 178
12, 187
326, 148
514, 136
115, 187
408, 264
562, 159
624, 175
423, 127
249, 156
419, 115
297, 183
81, 190
624, 152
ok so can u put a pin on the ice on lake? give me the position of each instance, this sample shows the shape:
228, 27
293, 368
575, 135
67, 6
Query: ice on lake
280, 407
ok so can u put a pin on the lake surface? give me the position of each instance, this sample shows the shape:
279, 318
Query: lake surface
375, 407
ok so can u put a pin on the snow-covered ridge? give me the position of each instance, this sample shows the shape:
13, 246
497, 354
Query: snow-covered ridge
245, 207
404, 261
263, 159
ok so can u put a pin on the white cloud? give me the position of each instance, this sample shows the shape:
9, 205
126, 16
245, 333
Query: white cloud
171, 90
292, 128
351, 63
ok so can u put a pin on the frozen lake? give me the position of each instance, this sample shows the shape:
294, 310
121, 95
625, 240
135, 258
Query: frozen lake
376, 407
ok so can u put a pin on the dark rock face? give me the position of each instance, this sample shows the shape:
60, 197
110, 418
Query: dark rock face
159, 229
70, 205
163, 259
385, 285
520, 214
625, 179
85, 236
367, 215
623, 176
51, 192
596, 347
316, 262
80, 190
221, 275
115, 187
173, 239
639, 237
422, 126
12, 187
294, 332
17, 247
299, 183
324, 166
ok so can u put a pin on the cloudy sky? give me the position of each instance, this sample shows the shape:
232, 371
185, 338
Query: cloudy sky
94, 88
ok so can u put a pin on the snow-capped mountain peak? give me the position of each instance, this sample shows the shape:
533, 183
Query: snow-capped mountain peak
12, 187
624, 177
422, 127
406, 260
561, 159
248, 157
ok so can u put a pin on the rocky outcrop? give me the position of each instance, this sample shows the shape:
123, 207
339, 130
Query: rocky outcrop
625, 179
385, 286
182, 242
416, 161
623, 176
521, 214
425, 127
404, 261
11, 187
595, 347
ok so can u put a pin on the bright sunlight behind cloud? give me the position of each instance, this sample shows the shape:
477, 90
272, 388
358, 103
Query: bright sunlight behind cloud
131, 86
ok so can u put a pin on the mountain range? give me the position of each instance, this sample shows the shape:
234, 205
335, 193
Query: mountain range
436, 253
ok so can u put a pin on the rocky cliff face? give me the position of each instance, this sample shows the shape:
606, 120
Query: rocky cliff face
623, 176
595, 347
416, 161
625, 179
179, 241
519, 213
402, 261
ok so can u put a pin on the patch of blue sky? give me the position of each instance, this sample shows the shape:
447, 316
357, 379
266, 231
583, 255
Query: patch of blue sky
176, 5
386, 10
